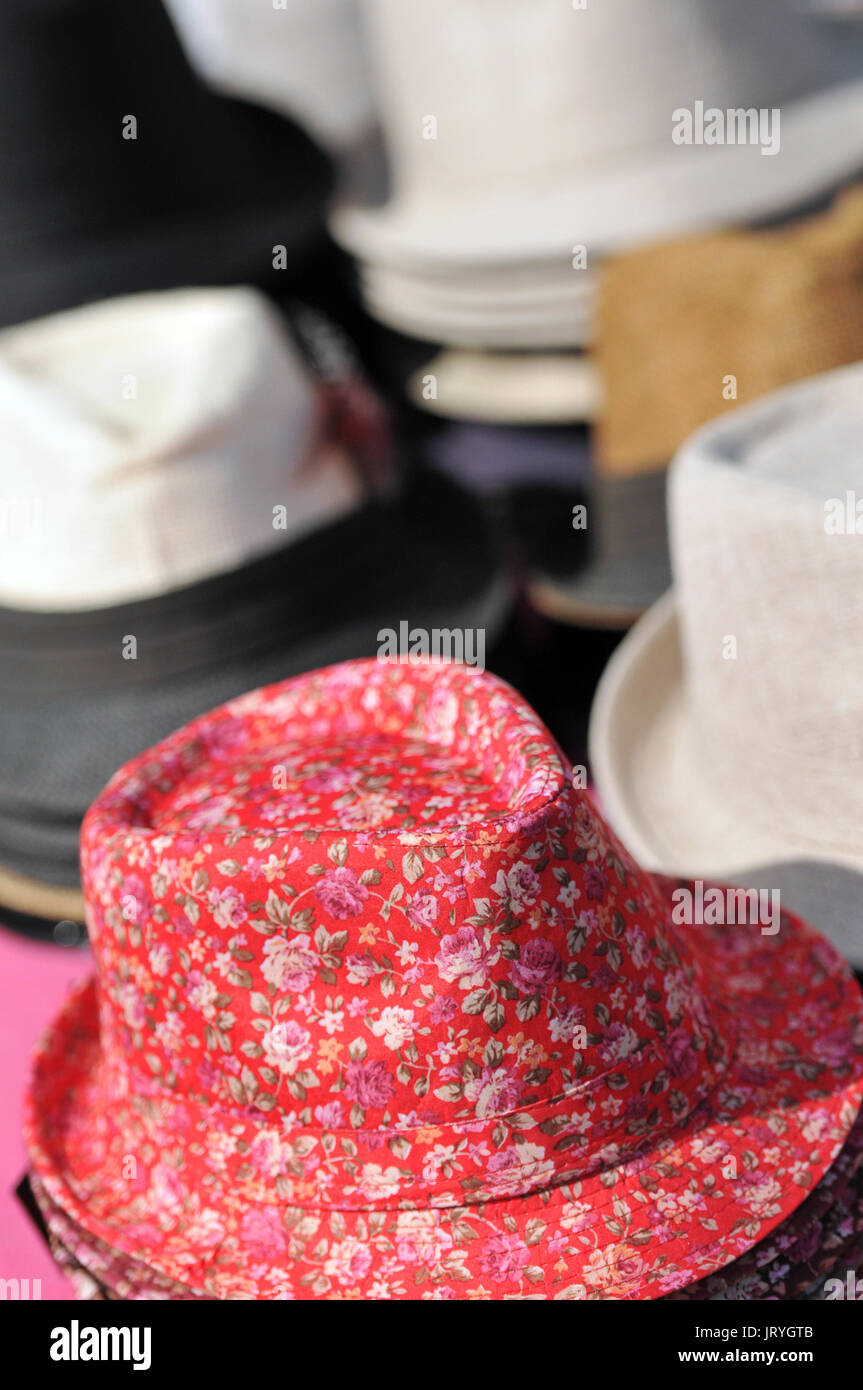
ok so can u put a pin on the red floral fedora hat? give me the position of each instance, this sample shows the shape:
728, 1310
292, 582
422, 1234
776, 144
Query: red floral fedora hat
384, 1011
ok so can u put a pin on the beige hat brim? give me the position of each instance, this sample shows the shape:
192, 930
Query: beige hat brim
652, 781
35, 899
509, 388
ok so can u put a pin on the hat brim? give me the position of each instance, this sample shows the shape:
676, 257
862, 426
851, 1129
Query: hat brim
684, 189
440, 567
229, 248
603, 600
118, 1275
561, 331
686, 1206
40, 901
627, 565
804, 1249
508, 389
663, 803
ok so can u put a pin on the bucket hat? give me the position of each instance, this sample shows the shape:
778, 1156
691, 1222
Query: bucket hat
382, 1009
725, 731
189, 510
121, 171
485, 185
303, 57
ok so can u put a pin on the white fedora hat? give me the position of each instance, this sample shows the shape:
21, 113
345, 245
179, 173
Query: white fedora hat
727, 730
140, 408
189, 509
517, 131
303, 57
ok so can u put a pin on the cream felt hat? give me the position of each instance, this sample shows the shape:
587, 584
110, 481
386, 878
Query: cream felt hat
517, 131
727, 730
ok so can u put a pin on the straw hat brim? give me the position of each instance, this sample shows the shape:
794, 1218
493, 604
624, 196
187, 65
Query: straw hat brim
660, 799
636, 1231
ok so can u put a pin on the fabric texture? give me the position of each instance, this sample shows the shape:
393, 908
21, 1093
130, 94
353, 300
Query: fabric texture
56, 752
586, 154
821, 1239
97, 1272
380, 1005
725, 730
124, 424
765, 308
824, 1231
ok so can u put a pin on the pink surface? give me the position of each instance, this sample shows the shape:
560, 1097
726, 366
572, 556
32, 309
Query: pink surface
34, 980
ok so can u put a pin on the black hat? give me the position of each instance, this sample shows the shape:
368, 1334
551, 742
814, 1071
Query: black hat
121, 171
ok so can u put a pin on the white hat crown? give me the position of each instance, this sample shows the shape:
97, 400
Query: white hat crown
768, 569
147, 441
515, 87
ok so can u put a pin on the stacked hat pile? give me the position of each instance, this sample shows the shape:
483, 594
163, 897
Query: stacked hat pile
385, 1004
195, 498
527, 144
526, 147
122, 172
382, 1009
725, 733
187, 516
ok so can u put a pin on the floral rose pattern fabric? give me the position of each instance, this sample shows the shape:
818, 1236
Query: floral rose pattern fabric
95, 1270
823, 1234
383, 1010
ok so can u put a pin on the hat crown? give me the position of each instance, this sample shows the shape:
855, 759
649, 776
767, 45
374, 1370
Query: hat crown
768, 565
66, 149
376, 901
519, 87
190, 411
121, 169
